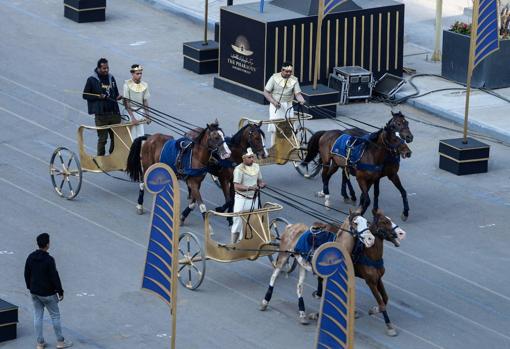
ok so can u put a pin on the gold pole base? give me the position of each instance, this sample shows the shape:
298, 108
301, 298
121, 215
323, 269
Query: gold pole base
436, 56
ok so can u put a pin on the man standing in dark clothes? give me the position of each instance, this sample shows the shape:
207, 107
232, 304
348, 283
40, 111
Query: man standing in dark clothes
102, 94
42, 280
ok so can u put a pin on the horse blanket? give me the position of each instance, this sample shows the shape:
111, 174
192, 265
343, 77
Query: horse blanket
178, 153
310, 241
349, 147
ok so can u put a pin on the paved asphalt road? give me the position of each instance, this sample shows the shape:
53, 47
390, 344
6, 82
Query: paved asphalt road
448, 282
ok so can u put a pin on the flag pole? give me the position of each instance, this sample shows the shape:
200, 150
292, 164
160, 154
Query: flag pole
320, 17
474, 29
205, 21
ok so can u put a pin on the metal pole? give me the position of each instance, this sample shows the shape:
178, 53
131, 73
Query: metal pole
474, 29
436, 56
320, 16
205, 24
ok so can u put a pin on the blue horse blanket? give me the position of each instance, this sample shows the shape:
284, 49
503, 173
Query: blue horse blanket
170, 154
349, 147
310, 241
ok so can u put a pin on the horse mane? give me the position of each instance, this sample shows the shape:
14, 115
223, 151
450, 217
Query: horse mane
212, 127
236, 139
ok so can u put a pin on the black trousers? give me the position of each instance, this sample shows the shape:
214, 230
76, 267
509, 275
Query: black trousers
102, 135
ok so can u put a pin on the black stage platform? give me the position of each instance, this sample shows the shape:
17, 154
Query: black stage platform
367, 33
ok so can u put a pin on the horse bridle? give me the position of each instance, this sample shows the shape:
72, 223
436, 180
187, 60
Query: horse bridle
250, 134
354, 233
214, 150
382, 233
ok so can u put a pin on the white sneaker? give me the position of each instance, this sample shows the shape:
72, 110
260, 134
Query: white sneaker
41, 346
65, 344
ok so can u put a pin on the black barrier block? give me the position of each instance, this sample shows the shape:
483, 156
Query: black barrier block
8, 320
83, 11
323, 97
217, 31
462, 159
200, 58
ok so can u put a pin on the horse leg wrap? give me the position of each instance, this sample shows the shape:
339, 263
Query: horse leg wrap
186, 211
140, 197
203, 209
269, 294
319, 287
386, 317
301, 304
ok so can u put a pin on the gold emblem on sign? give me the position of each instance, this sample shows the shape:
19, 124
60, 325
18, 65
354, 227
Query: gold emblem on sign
242, 46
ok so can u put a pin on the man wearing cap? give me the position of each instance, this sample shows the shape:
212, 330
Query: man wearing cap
136, 95
247, 180
280, 90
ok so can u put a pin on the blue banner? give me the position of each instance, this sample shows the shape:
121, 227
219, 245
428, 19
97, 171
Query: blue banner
329, 5
159, 275
487, 36
336, 317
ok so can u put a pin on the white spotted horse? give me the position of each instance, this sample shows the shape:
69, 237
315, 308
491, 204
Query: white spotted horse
188, 158
297, 239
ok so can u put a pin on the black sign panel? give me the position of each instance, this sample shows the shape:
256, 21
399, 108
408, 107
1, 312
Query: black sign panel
242, 48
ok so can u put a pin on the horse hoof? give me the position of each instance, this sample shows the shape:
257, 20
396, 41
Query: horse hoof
316, 295
347, 200
404, 217
139, 209
313, 316
391, 331
263, 306
182, 219
374, 310
327, 205
357, 314
319, 194
303, 320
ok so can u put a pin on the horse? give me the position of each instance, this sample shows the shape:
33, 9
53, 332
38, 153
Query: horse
369, 265
378, 159
143, 154
354, 227
249, 136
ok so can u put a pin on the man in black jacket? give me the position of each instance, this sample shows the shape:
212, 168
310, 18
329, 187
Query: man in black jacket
102, 94
41, 277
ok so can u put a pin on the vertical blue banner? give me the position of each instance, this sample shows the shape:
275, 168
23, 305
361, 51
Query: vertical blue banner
335, 328
160, 272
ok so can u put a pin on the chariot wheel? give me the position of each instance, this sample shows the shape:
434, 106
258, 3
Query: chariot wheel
277, 227
191, 261
65, 172
311, 170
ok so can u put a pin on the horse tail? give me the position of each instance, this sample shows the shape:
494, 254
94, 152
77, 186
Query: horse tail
134, 166
313, 147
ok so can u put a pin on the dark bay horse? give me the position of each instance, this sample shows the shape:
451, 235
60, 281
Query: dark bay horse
380, 144
249, 136
143, 154
353, 228
369, 265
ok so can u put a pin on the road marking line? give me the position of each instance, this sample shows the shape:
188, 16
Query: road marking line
71, 212
43, 95
451, 312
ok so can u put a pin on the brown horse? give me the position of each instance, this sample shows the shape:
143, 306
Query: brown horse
372, 162
370, 266
143, 154
249, 136
354, 227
